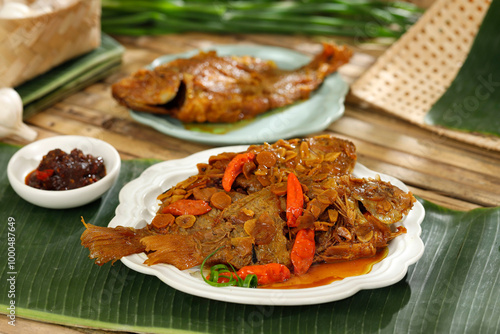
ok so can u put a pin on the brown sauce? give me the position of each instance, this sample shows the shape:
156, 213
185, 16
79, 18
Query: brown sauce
61, 171
223, 128
326, 273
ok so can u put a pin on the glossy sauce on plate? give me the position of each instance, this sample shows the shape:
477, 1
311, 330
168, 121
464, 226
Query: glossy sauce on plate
326, 273
224, 128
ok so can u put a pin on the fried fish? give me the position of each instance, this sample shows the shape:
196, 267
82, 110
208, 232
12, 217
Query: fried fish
224, 89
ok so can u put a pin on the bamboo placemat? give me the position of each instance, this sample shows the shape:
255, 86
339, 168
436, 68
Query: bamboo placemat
414, 72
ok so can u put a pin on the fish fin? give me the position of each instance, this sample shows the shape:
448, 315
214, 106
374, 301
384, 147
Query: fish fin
330, 59
110, 244
179, 250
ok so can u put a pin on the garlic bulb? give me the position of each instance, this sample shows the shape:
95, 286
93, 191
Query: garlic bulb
14, 10
17, 9
11, 116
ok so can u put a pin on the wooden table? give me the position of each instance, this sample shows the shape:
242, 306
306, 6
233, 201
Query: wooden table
444, 171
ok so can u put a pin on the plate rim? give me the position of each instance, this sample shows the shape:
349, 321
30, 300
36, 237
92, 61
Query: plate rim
183, 280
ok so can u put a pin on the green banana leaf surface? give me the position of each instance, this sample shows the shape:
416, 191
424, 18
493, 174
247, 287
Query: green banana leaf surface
71, 76
472, 102
453, 288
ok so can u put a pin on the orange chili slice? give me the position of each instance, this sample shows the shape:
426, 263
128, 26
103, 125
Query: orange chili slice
266, 273
303, 251
294, 200
193, 207
234, 168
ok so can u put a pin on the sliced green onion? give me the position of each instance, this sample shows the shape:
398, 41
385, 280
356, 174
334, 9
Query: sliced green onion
219, 270
313, 17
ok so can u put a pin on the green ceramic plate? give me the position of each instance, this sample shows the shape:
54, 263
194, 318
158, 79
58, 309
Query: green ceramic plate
313, 115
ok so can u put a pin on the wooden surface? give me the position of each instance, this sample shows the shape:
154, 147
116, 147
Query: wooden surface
444, 171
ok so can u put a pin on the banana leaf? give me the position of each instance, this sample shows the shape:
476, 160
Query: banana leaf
453, 288
70, 77
472, 102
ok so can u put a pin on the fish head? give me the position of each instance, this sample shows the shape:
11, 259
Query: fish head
149, 91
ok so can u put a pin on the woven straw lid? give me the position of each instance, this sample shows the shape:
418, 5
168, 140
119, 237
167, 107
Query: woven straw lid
33, 45
415, 71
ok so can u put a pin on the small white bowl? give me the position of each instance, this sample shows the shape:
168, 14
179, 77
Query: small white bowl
28, 158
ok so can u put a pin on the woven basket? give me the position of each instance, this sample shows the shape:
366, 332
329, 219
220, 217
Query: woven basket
414, 72
33, 45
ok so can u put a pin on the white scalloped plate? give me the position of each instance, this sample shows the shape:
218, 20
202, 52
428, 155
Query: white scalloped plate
315, 114
138, 206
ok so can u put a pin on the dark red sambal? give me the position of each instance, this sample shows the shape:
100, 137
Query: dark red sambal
61, 171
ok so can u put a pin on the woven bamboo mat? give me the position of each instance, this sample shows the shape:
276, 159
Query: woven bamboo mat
414, 72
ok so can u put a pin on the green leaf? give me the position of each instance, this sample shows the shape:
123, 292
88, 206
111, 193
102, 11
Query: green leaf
70, 77
472, 102
453, 288
221, 270
362, 19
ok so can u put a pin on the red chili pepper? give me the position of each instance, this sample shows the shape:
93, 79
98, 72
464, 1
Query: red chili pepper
224, 277
294, 200
193, 207
303, 251
266, 273
43, 175
234, 168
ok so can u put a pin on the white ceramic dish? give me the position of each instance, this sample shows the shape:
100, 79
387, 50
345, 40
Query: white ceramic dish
313, 115
28, 158
138, 206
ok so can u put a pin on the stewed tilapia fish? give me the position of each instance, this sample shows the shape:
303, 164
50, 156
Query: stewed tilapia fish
350, 217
